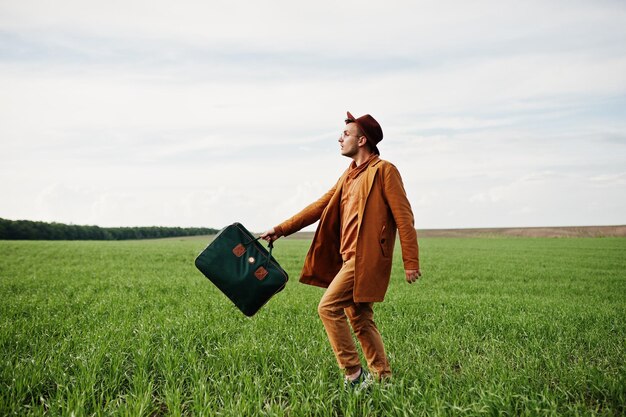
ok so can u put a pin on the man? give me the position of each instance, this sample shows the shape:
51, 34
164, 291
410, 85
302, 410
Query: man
352, 249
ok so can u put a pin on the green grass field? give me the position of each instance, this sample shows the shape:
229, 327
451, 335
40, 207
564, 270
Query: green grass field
496, 326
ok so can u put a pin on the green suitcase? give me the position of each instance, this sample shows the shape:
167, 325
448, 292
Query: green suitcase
237, 263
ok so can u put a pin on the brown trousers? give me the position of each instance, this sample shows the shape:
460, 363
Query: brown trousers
336, 303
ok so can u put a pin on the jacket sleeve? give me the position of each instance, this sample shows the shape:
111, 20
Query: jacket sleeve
398, 202
309, 215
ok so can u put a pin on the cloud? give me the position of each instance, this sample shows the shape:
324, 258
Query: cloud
161, 113
609, 180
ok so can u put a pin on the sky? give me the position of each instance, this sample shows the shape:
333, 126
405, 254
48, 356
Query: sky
203, 113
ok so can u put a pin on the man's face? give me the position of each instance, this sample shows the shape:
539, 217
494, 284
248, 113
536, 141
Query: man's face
349, 140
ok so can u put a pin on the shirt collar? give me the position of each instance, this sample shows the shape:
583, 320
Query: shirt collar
356, 170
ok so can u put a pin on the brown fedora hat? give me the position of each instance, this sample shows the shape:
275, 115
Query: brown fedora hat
370, 128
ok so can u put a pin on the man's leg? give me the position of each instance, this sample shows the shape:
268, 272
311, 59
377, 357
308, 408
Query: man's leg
362, 319
337, 297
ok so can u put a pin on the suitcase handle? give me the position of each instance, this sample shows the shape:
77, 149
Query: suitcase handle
270, 246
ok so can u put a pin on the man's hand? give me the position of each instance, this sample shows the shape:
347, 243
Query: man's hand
269, 235
412, 275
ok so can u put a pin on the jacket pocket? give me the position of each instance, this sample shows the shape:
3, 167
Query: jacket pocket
383, 241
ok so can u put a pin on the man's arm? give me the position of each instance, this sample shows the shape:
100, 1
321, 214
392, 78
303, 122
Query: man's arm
309, 215
398, 202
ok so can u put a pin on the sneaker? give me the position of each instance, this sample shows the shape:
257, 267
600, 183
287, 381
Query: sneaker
361, 383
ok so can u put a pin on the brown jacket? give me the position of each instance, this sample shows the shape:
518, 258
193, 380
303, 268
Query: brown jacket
383, 209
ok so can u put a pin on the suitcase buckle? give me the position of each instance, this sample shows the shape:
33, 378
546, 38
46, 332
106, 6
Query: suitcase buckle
239, 250
260, 273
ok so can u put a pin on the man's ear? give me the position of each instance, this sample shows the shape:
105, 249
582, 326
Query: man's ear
362, 141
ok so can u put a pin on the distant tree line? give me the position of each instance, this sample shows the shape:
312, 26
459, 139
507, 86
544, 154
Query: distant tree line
29, 230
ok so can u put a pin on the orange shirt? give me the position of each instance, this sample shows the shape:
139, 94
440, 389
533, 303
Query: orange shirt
349, 208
